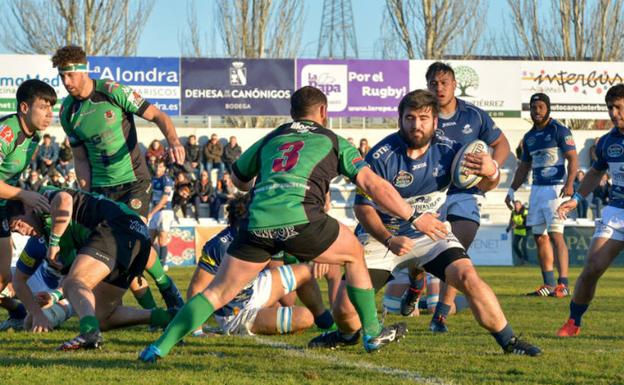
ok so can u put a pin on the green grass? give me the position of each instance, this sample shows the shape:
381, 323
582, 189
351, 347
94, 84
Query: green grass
466, 355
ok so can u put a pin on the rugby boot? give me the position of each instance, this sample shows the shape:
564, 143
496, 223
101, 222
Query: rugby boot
333, 340
560, 291
518, 346
389, 334
150, 354
569, 329
409, 300
91, 340
438, 325
542, 291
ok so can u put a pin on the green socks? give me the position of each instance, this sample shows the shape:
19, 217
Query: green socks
189, 318
160, 317
89, 324
146, 300
158, 273
364, 302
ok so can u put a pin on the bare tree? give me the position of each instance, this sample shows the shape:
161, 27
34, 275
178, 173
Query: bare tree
430, 29
101, 27
567, 30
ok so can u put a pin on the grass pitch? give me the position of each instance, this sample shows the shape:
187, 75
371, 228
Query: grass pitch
466, 355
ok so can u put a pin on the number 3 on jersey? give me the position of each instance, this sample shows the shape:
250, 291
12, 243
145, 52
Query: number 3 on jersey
290, 156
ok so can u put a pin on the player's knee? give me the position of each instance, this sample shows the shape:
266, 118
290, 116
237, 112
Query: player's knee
469, 280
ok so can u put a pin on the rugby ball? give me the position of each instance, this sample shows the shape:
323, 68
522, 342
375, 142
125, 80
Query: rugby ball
459, 178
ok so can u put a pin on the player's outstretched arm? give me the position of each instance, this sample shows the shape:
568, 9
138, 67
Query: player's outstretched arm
40, 323
165, 124
589, 183
383, 193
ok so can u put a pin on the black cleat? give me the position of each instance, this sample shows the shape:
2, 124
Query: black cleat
409, 301
388, 335
518, 346
92, 340
333, 340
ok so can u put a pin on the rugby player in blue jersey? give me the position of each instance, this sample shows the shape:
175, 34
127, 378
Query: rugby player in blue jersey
545, 150
417, 162
160, 216
608, 240
462, 122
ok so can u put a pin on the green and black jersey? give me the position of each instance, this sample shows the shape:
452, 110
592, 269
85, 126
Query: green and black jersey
104, 124
294, 165
16, 149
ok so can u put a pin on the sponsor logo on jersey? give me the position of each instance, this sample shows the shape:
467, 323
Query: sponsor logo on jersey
531, 141
543, 157
136, 203
26, 259
6, 134
569, 140
448, 124
467, 129
207, 259
109, 116
301, 127
238, 74
615, 151
548, 172
381, 151
111, 86
438, 171
403, 179
548, 138
419, 166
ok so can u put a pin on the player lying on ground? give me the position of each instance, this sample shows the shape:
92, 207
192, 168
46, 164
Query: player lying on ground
608, 240
292, 167
253, 310
419, 164
405, 294
111, 247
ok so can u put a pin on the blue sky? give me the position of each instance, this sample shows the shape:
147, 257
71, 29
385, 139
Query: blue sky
161, 36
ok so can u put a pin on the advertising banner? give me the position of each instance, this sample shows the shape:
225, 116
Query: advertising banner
357, 87
576, 89
181, 246
156, 79
490, 85
15, 69
237, 86
492, 246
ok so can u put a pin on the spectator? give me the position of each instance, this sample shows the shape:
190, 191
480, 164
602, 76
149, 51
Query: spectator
55, 178
155, 149
600, 196
151, 164
66, 158
34, 181
225, 191
231, 153
193, 154
70, 180
517, 222
182, 206
213, 151
581, 209
204, 192
364, 147
48, 155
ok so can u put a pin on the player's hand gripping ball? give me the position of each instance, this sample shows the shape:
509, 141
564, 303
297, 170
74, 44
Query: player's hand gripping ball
460, 177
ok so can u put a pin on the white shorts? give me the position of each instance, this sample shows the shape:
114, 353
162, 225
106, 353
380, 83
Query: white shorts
611, 224
424, 251
543, 204
242, 321
463, 205
161, 221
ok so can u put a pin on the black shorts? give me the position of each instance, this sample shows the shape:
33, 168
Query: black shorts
136, 195
5, 231
305, 242
123, 245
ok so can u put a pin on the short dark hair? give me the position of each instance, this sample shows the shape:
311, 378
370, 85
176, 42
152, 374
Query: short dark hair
237, 209
614, 93
32, 89
70, 54
438, 67
417, 99
14, 209
304, 99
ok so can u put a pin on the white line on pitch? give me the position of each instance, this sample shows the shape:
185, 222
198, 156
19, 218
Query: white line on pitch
304, 353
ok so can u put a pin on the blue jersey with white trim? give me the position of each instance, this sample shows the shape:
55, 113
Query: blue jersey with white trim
162, 186
544, 149
212, 255
468, 124
32, 257
610, 155
421, 182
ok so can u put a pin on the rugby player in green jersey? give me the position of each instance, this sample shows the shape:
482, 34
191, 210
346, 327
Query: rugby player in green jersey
19, 137
98, 118
288, 172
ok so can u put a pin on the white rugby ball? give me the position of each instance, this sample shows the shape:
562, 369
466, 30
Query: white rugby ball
460, 179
